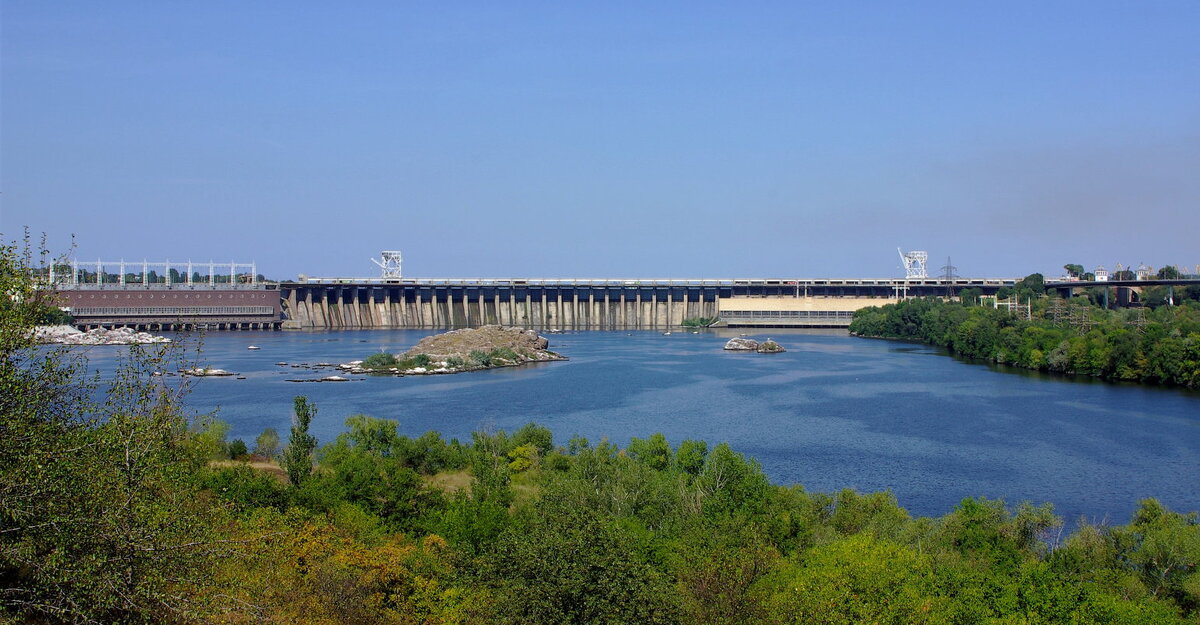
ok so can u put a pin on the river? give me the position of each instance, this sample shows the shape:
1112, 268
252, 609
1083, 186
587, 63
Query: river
832, 412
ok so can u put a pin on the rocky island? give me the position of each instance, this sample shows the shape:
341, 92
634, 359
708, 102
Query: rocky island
457, 351
739, 344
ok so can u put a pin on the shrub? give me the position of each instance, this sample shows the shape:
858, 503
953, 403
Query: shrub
55, 316
382, 360
769, 347
237, 449
480, 358
523, 458
414, 361
504, 353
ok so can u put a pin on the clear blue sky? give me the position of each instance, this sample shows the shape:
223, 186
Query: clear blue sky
606, 139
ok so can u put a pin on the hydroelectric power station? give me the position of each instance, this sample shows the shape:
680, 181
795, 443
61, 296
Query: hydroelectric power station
393, 301
597, 304
232, 296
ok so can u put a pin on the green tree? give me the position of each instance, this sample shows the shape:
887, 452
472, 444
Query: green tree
237, 449
208, 437
523, 458
100, 519
372, 435
1163, 547
653, 452
377, 483
297, 456
536, 435
1031, 285
267, 444
717, 563
690, 456
474, 519
576, 568
730, 483
1169, 272
1073, 270
856, 580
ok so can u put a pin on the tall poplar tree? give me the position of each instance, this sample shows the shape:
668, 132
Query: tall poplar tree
297, 458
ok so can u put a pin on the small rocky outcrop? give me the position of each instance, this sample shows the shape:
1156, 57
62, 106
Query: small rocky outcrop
740, 344
470, 349
770, 347
207, 372
68, 335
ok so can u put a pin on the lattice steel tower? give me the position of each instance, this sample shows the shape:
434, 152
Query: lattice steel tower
390, 264
914, 264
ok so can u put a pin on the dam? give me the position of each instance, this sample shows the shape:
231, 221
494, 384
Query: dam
598, 304
233, 296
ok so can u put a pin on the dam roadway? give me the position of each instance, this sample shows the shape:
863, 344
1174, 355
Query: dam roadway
598, 304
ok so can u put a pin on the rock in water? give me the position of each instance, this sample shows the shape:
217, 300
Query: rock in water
207, 372
740, 344
461, 343
770, 347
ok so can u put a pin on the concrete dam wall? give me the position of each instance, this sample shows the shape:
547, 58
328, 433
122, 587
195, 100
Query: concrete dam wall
564, 304
562, 308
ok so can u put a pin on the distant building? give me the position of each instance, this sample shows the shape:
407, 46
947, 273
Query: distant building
1144, 273
1101, 274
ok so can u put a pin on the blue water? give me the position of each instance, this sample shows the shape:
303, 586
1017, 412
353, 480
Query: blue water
834, 411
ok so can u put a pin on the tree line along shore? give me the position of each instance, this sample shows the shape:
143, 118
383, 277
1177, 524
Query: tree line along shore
1155, 344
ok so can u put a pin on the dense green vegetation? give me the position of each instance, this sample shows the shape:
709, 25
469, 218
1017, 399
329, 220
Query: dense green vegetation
769, 347
699, 322
475, 359
589, 533
1152, 345
385, 362
120, 512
